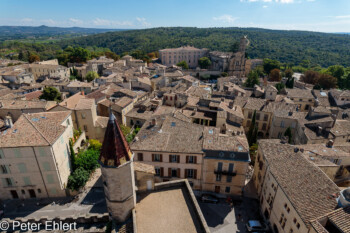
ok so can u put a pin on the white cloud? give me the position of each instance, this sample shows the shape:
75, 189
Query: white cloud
111, 23
278, 1
225, 19
143, 22
73, 21
265, 6
342, 17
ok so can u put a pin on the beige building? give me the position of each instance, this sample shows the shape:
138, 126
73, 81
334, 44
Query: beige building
84, 116
15, 108
191, 55
284, 119
292, 191
211, 162
34, 156
48, 70
264, 114
301, 97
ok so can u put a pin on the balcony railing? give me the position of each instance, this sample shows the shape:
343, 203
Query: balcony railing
225, 173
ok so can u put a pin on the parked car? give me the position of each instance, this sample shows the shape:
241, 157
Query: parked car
256, 226
209, 198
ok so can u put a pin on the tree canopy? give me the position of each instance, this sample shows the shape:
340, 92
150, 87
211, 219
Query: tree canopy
183, 64
51, 94
204, 62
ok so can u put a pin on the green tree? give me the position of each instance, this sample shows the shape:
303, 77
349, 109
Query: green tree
253, 78
95, 144
288, 133
279, 87
88, 160
78, 179
336, 71
112, 55
270, 64
252, 135
224, 74
305, 63
183, 64
253, 149
290, 83
91, 75
51, 94
125, 129
79, 55
204, 62
234, 47
72, 155
21, 56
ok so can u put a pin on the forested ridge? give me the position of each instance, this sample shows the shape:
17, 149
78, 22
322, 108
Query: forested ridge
286, 46
289, 47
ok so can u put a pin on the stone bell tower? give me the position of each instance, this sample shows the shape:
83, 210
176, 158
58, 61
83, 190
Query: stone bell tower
116, 160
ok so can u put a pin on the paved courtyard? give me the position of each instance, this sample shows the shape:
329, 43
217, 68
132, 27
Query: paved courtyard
221, 218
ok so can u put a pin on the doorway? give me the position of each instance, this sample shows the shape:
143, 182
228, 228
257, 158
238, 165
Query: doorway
32, 193
14, 194
217, 189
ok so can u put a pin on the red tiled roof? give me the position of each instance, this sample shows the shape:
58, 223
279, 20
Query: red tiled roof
115, 149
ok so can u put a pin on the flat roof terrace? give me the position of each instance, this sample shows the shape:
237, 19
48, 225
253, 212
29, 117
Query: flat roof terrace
171, 207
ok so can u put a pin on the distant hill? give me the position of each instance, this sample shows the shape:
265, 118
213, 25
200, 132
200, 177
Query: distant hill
292, 47
25, 32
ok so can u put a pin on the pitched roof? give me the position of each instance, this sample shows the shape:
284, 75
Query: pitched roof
305, 185
26, 104
115, 149
339, 218
35, 129
169, 134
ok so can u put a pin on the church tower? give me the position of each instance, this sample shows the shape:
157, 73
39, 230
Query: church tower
116, 160
244, 42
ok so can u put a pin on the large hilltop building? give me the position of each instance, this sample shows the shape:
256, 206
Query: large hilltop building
189, 54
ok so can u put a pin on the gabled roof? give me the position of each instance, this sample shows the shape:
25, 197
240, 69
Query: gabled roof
304, 184
115, 149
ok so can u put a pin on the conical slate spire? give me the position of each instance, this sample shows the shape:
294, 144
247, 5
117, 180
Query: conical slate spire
115, 149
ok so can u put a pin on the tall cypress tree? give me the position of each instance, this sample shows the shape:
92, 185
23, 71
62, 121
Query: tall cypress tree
253, 131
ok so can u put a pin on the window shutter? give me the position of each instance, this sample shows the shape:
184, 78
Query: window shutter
169, 158
186, 171
178, 172
195, 159
152, 157
161, 158
187, 159
169, 172
194, 173
178, 158
161, 171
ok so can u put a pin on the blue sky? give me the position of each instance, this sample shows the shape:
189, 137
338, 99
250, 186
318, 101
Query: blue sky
312, 15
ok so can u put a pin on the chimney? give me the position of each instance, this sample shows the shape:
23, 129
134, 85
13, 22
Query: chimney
319, 129
153, 122
8, 122
230, 105
330, 144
